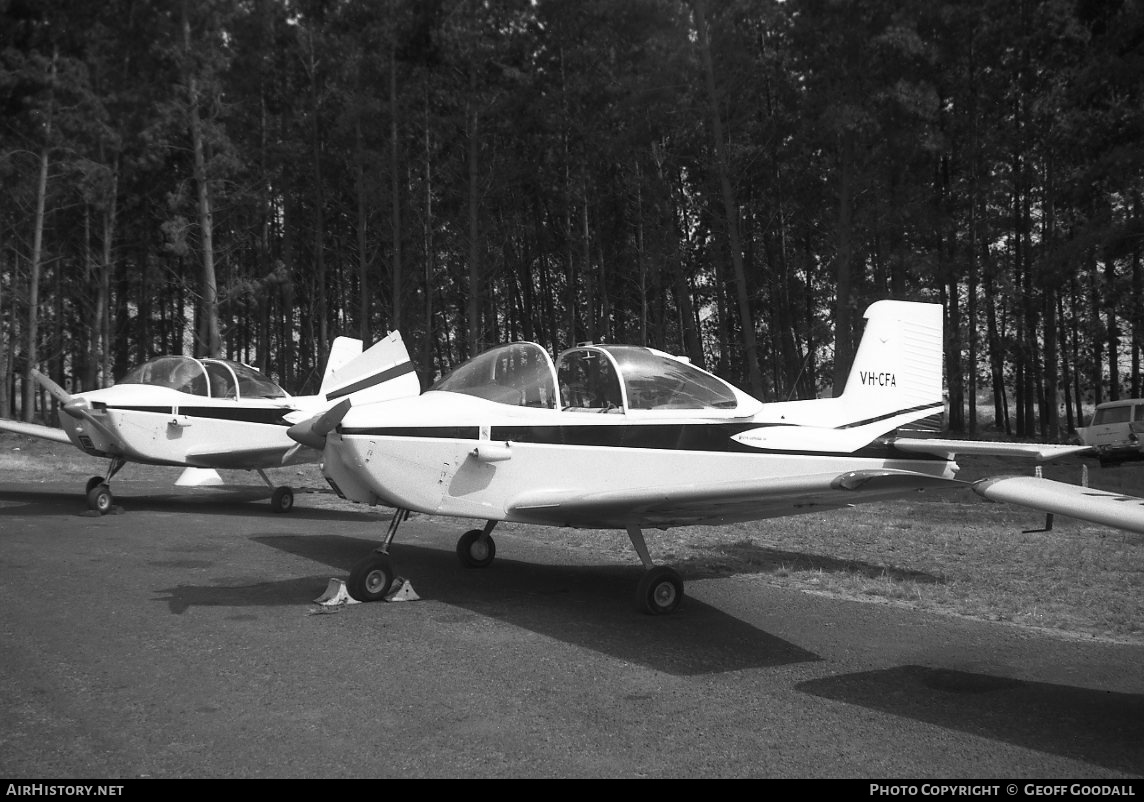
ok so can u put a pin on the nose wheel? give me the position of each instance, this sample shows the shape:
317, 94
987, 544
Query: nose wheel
99, 498
371, 579
98, 489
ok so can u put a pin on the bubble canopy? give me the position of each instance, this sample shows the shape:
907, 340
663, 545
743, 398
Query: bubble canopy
596, 378
210, 378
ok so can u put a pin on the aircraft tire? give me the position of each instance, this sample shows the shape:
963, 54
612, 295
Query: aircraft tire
474, 554
99, 498
660, 591
371, 578
282, 500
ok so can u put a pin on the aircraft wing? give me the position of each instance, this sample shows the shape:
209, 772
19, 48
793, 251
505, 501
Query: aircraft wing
1084, 503
35, 430
245, 458
724, 502
948, 449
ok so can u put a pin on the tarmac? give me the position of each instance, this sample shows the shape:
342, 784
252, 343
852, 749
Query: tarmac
181, 638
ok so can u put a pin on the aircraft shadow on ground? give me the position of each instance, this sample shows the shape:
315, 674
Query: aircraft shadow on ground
238, 502
588, 606
1098, 727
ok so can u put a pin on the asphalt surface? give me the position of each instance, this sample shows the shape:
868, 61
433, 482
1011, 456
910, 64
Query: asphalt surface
181, 639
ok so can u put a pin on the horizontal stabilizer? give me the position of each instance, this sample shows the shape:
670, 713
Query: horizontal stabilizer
1083, 503
949, 449
35, 430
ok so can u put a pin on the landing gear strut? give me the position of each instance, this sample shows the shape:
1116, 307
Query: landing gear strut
372, 577
98, 489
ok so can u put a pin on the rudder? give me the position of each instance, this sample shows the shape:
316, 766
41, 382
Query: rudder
898, 368
380, 373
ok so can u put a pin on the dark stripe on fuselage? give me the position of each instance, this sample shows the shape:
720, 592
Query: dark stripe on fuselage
711, 437
372, 381
270, 416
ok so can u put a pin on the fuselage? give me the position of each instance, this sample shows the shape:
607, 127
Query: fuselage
450, 454
162, 426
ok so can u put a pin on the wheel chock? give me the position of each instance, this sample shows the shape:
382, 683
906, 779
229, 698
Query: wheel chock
404, 591
336, 595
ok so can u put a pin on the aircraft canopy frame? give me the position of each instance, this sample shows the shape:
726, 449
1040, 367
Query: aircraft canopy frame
618, 379
208, 378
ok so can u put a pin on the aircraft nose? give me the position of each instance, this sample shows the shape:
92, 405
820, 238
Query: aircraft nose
77, 407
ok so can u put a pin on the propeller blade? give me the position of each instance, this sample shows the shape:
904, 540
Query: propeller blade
313, 432
72, 405
54, 390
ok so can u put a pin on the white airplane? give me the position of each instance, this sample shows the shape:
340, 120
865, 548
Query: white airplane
206, 414
626, 437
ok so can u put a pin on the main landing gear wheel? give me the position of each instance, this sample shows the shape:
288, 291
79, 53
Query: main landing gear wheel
282, 500
473, 552
371, 578
660, 591
99, 496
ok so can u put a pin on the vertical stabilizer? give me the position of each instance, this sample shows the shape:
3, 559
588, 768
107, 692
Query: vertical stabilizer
898, 368
342, 352
382, 372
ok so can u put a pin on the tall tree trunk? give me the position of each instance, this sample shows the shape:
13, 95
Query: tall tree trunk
362, 240
210, 342
750, 344
843, 315
320, 306
474, 299
32, 333
395, 195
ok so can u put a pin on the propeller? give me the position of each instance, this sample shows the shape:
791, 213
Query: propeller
312, 432
76, 407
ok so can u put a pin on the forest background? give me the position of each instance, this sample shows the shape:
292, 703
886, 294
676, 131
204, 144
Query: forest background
733, 181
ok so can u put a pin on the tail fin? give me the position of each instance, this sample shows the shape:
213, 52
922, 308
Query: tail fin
382, 372
343, 351
897, 372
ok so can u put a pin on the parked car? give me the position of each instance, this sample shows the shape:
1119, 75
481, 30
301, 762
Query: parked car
1115, 431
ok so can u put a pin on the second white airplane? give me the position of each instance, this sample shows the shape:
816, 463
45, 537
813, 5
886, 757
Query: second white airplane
207, 414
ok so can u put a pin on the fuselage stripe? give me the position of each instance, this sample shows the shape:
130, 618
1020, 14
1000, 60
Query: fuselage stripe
694, 437
272, 416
